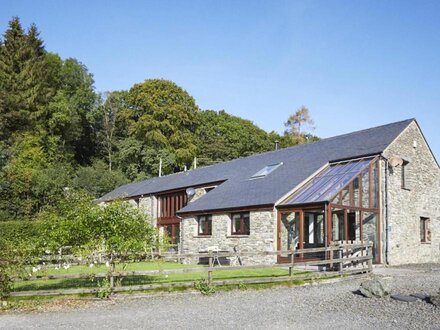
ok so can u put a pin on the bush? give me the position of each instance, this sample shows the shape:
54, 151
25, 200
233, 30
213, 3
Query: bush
21, 230
12, 260
117, 228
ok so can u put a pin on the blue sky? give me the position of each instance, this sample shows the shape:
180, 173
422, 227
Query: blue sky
355, 64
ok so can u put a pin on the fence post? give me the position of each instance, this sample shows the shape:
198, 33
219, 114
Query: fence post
370, 260
341, 262
111, 272
211, 264
292, 256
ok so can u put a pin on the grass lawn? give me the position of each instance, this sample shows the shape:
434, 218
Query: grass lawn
139, 280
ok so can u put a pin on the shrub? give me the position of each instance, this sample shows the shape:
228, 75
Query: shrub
114, 229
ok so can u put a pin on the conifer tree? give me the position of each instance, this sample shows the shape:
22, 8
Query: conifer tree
24, 88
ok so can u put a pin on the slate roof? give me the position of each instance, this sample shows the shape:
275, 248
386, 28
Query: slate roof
239, 191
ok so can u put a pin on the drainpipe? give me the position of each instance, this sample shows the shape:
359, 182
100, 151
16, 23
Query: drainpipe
325, 224
387, 228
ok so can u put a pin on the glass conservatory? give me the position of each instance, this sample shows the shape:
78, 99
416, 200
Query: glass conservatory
340, 204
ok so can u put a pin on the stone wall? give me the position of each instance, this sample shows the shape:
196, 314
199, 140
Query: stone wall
406, 206
262, 237
148, 205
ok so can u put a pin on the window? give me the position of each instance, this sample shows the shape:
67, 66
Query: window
405, 175
204, 223
240, 223
425, 230
266, 170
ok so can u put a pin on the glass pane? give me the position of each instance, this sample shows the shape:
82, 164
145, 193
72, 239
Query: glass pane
369, 230
336, 200
327, 184
236, 225
338, 224
365, 190
266, 170
375, 190
346, 197
289, 231
201, 223
356, 191
352, 226
246, 227
176, 234
209, 225
313, 228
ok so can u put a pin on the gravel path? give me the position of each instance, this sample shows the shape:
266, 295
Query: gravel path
322, 306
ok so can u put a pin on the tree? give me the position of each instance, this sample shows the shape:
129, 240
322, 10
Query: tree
96, 180
299, 119
34, 177
24, 84
70, 114
117, 229
111, 111
221, 136
162, 117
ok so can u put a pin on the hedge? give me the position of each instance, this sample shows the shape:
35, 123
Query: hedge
20, 231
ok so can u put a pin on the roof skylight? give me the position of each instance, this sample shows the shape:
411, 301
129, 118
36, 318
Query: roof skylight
266, 170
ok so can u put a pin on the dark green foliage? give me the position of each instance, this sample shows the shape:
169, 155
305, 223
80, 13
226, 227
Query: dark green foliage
77, 221
57, 134
24, 81
69, 115
97, 180
35, 177
161, 118
21, 230
221, 136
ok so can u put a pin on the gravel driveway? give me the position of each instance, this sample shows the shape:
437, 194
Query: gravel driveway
322, 306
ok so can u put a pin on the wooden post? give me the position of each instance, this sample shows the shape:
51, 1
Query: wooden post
211, 264
341, 263
292, 256
112, 271
370, 261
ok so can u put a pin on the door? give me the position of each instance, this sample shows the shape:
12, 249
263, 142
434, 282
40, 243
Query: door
288, 233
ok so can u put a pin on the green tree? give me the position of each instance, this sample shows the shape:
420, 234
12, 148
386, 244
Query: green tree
71, 112
163, 117
34, 176
24, 85
117, 229
113, 123
97, 180
221, 136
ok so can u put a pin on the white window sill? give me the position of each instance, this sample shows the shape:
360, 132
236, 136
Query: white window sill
202, 236
237, 236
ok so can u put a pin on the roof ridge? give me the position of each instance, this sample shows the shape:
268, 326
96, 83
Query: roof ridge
279, 150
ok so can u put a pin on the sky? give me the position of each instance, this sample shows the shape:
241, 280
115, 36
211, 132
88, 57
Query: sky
354, 64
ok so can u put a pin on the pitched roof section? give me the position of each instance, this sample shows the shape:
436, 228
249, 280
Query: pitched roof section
238, 190
328, 183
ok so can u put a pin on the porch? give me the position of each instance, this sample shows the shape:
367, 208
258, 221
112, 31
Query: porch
341, 205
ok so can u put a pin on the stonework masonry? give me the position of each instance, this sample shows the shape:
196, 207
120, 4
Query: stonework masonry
148, 205
405, 206
262, 237
401, 210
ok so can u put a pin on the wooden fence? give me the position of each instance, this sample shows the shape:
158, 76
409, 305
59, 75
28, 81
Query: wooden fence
337, 260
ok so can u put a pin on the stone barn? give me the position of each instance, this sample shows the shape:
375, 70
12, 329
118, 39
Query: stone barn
380, 184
